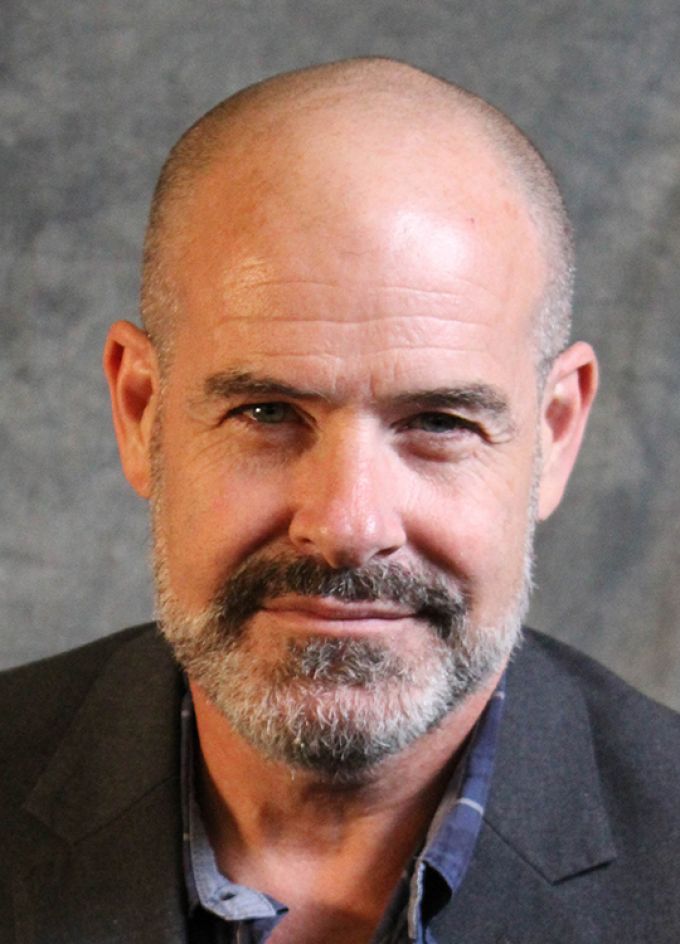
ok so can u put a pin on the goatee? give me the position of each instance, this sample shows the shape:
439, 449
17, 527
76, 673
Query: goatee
335, 705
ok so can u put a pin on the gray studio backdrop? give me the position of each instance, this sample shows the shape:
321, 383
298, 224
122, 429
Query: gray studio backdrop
94, 94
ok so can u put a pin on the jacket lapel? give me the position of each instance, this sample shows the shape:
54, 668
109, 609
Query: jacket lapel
545, 822
504, 901
109, 870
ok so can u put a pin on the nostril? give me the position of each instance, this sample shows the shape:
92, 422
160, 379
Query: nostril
344, 541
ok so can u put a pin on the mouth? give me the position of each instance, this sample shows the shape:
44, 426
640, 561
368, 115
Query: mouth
328, 610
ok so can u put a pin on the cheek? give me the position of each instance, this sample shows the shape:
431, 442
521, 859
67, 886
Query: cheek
246, 508
214, 515
475, 527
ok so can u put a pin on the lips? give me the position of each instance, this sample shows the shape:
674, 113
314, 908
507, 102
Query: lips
328, 608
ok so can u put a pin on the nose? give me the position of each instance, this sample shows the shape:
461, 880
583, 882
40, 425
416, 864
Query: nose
346, 506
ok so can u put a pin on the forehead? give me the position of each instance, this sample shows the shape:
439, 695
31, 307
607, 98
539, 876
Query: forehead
355, 338
320, 260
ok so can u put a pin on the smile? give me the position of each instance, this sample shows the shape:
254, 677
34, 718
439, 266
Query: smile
328, 609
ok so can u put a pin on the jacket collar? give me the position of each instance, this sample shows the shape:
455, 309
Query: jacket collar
546, 800
545, 821
110, 867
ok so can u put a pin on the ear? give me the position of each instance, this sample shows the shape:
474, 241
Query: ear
568, 395
131, 369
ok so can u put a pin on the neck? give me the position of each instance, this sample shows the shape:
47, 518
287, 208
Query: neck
284, 830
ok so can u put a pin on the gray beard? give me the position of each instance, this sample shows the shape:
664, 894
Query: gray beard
335, 706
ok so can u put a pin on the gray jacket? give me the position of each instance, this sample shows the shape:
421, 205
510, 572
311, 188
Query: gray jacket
580, 843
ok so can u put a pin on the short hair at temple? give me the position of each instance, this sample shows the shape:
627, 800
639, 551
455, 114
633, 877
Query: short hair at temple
200, 145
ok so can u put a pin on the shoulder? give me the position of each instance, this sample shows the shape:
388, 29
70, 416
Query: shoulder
568, 714
89, 787
619, 714
39, 701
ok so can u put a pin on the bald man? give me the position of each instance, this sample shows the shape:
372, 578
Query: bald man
352, 400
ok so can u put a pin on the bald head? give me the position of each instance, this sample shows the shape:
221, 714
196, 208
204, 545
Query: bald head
346, 141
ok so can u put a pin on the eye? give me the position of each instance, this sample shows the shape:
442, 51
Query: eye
441, 423
267, 414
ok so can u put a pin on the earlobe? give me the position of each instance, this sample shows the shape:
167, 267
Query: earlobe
567, 398
132, 372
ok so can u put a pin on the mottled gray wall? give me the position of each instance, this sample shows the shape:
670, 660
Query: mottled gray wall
93, 94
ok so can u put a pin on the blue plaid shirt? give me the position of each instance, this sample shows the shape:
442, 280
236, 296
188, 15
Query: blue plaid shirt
234, 914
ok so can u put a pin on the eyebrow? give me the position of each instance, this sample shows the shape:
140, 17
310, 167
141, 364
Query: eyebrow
474, 398
479, 399
232, 383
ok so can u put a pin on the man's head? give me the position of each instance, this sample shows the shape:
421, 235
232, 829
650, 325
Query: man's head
353, 406
362, 90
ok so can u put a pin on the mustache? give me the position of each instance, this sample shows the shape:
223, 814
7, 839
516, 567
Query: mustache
260, 579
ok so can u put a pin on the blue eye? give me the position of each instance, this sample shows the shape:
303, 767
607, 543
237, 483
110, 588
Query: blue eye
440, 423
267, 413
